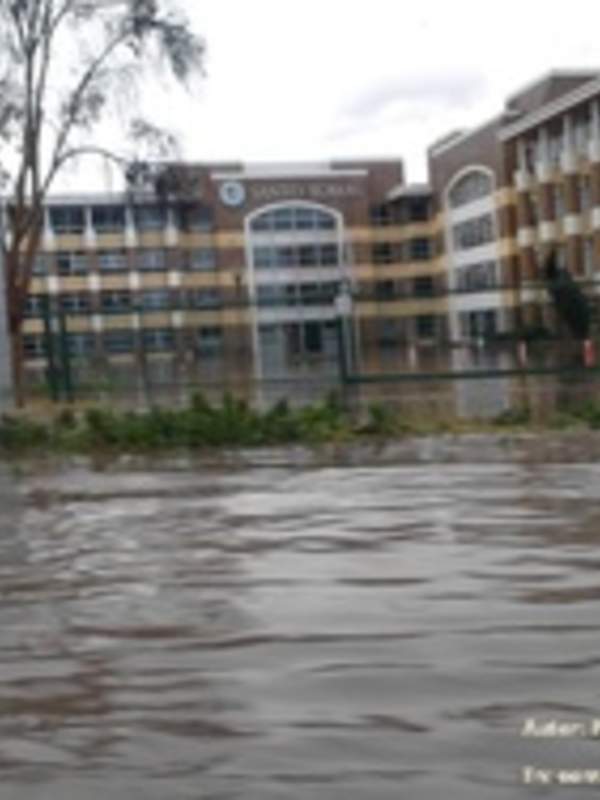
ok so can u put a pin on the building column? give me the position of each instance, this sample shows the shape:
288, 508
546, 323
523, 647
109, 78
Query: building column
528, 265
48, 238
521, 155
571, 219
547, 225
574, 247
130, 229
523, 174
594, 144
568, 158
171, 229
594, 153
543, 168
89, 233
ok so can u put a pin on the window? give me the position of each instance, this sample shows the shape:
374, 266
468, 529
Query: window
115, 302
479, 324
384, 253
155, 300
381, 216
204, 298
204, 258
75, 303
420, 249
477, 276
150, 217
264, 257
328, 255
581, 135
151, 260
112, 260
283, 220
417, 209
558, 201
311, 255
209, 340
532, 208
308, 255
315, 294
35, 305
583, 188
426, 327
287, 257
75, 263
388, 332
473, 232
402, 211
470, 187
588, 256
305, 219
40, 266
34, 346
324, 222
278, 295
196, 218
555, 146
271, 295
313, 337
67, 219
108, 219
81, 344
116, 342
158, 339
423, 287
385, 290
530, 155
294, 218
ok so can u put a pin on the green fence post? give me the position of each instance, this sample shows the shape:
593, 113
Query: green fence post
65, 358
52, 376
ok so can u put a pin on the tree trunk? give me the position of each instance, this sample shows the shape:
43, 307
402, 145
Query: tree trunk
16, 351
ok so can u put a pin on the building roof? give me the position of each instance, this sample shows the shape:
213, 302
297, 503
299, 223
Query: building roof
459, 137
559, 105
409, 190
548, 87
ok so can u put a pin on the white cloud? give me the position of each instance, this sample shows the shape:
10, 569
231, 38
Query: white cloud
416, 90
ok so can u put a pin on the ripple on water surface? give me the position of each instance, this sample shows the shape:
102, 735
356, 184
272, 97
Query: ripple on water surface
296, 633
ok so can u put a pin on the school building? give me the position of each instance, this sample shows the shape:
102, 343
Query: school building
244, 270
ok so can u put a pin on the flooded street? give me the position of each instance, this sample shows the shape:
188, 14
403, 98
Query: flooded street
300, 633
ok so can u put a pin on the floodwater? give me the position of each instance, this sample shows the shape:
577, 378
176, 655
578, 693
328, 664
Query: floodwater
299, 632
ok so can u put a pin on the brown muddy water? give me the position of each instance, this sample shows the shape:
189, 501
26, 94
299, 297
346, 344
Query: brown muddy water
292, 632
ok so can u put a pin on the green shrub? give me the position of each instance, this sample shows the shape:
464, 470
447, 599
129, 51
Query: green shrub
280, 424
520, 415
382, 421
589, 413
17, 433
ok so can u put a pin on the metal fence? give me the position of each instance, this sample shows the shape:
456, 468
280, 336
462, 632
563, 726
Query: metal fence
434, 381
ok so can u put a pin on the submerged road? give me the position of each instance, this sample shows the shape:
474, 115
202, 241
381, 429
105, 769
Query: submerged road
292, 633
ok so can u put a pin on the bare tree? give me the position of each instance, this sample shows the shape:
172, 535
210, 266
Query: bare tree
65, 67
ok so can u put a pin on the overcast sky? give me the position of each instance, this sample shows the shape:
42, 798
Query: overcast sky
331, 78
319, 79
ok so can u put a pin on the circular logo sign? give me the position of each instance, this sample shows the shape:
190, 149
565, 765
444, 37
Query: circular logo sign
232, 194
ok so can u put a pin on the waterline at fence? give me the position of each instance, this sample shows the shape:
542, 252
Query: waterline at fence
476, 381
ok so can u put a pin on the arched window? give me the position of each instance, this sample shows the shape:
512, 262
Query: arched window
293, 218
471, 186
